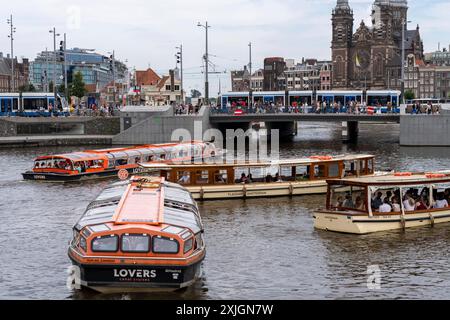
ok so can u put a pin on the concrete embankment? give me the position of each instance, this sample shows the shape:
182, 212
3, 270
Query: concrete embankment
25, 132
425, 130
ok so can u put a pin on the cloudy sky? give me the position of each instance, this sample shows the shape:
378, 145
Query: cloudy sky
146, 32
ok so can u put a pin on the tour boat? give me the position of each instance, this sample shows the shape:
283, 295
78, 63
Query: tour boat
94, 164
243, 179
382, 203
140, 235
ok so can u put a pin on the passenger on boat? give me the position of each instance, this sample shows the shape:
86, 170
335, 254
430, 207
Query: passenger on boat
185, 179
396, 205
220, 178
421, 204
385, 207
340, 203
278, 178
389, 196
36, 165
441, 203
348, 203
243, 179
408, 203
359, 204
269, 178
377, 202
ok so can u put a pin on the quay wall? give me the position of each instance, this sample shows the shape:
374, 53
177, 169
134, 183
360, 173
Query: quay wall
425, 130
19, 126
151, 127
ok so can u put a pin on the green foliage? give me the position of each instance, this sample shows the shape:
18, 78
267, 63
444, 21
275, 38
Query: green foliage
409, 95
27, 88
77, 87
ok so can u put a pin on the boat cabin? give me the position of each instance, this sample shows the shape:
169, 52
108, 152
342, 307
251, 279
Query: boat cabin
391, 194
308, 169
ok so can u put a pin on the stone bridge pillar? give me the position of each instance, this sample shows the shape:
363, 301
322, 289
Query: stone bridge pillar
350, 131
288, 130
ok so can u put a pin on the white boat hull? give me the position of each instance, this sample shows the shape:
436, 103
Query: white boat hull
240, 191
354, 224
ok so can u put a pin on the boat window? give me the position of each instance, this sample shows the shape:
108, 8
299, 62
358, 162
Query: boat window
370, 165
350, 168
105, 244
139, 243
162, 157
183, 177
302, 173
188, 245
362, 167
121, 162
333, 170
320, 171
165, 245
344, 198
202, 177
83, 243
286, 173
388, 200
221, 177
440, 196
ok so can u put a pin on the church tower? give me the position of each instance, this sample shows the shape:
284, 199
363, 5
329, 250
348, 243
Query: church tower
342, 21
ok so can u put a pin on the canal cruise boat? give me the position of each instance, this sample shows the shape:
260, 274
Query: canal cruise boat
383, 203
140, 235
95, 164
215, 181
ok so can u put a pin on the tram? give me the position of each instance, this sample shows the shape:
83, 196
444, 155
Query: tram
32, 104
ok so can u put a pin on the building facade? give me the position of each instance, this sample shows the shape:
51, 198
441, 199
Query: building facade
96, 69
438, 58
21, 73
273, 70
240, 80
159, 92
370, 58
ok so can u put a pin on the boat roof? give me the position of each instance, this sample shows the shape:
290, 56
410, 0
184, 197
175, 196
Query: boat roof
249, 164
119, 152
395, 179
143, 201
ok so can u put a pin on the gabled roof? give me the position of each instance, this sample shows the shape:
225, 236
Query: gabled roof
162, 82
147, 77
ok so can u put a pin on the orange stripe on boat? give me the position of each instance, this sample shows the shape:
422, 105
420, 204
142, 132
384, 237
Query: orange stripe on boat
142, 203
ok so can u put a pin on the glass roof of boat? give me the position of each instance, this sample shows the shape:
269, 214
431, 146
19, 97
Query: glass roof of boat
396, 179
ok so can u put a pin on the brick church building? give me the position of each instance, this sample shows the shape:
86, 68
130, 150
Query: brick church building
370, 58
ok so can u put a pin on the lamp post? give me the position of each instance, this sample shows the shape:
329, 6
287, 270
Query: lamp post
113, 67
180, 60
404, 26
11, 36
250, 75
206, 26
54, 63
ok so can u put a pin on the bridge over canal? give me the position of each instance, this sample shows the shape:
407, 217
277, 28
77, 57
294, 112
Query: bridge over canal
287, 122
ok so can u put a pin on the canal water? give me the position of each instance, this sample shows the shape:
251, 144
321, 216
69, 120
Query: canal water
257, 249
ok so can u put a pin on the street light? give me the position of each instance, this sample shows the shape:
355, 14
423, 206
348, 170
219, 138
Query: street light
206, 26
404, 26
54, 64
179, 57
113, 62
11, 36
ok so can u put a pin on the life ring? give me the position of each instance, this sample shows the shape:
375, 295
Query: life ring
403, 174
322, 158
435, 175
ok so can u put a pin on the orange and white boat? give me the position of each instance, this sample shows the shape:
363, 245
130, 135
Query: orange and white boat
141, 235
95, 164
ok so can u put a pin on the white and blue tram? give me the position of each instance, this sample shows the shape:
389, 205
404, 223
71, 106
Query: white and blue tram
33, 104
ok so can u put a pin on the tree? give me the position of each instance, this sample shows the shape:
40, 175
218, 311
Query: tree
62, 89
195, 93
27, 88
409, 95
50, 86
77, 87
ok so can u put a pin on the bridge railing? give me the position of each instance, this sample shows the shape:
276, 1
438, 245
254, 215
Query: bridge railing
219, 110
